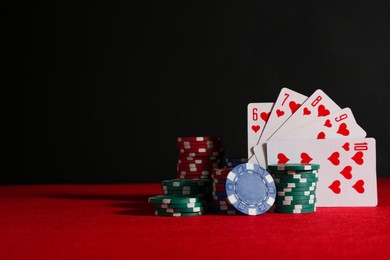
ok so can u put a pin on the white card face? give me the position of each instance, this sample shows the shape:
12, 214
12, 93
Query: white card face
286, 104
260, 155
347, 174
258, 114
316, 106
340, 124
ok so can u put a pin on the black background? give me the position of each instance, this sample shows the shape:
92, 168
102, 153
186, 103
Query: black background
99, 92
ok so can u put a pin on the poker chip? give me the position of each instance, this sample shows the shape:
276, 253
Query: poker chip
177, 214
168, 199
295, 198
181, 210
236, 160
295, 202
295, 193
296, 180
198, 138
181, 183
296, 185
297, 189
181, 205
294, 211
250, 189
293, 166
293, 172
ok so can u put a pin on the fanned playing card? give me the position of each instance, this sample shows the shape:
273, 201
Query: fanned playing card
317, 105
347, 174
258, 114
286, 104
340, 124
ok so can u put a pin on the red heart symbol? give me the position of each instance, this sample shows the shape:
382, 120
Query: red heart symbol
305, 158
328, 123
322, 111
335, 187
255, 128
359, 186
321, 135
306, 111
346, 172
279, 112
346, 146
343, 130
334, 158
358, 158
293, 106
264, 116
282, 159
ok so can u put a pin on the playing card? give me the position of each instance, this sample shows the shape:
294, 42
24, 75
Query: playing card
258, 114
317, 105
347, 174
340, 124
286, 104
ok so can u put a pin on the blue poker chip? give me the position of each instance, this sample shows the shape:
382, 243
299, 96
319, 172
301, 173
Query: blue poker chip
250, 189
236, 159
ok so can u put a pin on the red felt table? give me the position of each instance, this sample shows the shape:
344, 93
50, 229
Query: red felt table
116, 222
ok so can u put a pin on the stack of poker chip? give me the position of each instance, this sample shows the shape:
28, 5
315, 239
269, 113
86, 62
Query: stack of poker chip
182, 198
219, 203
250, 189
296, 187
231, 162
198, 156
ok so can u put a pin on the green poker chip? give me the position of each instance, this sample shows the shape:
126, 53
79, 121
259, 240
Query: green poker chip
295, 180
177, 214
293, 166
296, 189
294, 185
293, 172
294, 202
180, 205
292, 207
186, 188
182, 210
295, 198
168, 199
295, 211
186, 182
296, 193
294, 176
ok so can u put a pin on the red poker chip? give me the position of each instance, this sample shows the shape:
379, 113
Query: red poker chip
190, 169
220, 202
185, 158
198, 165
221, 171
197, 154
219, 190
193, 178
204, 172
202, 150
196, 168
219, 186
198, 138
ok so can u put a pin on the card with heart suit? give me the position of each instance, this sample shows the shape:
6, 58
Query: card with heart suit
341, 124
287, 102
316, 106
347, 174
258, 114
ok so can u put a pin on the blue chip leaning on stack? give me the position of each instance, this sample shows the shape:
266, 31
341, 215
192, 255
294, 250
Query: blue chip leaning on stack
250, 189
198, 156
296, 187
182, 197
